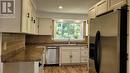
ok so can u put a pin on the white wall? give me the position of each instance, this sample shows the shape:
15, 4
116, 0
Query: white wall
61, 15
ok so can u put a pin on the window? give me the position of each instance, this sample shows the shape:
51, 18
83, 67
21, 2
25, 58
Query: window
68, 30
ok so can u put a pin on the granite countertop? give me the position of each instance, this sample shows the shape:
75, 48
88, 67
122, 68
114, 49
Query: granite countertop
66, 44
28, 54
58, 44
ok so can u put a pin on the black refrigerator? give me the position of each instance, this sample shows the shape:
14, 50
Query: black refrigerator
108, 35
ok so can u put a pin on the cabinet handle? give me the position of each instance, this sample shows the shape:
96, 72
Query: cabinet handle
28, 15
40, 64
34, 21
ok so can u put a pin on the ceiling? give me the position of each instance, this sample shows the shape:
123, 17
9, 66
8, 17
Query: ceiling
69, 6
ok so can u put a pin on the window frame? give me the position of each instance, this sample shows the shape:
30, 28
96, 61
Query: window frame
68, 39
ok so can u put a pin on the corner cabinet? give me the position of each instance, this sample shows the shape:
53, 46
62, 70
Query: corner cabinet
73, 55
22, 20
45, 26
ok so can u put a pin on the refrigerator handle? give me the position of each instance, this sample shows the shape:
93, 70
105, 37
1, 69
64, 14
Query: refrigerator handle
97, 51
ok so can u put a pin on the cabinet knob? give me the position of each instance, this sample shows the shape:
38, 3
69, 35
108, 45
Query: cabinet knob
34, 21
70, 56
28, 15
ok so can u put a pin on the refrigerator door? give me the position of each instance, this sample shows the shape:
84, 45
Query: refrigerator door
104, 33
111, 51
110, 42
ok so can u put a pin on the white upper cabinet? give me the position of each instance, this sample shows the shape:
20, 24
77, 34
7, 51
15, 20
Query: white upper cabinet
92, 12
45, 26
104, 6
101, 7
112, 4
29, 18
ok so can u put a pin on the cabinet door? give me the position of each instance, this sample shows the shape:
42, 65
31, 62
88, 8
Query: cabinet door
92, 12
101, 7
84, 51
45, 26
112, 4
84, 54
25, 15
11, 68
30, 19
75, 56
1, 66
26, 67
36, 26
66, 56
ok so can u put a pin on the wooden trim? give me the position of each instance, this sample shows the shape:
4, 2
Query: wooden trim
53, 30
84, 28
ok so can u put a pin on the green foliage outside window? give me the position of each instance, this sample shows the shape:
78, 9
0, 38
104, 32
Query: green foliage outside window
68, 30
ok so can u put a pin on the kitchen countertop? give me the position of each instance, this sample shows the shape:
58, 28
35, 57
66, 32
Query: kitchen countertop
32, 52
28, 54
57, 44
66, 44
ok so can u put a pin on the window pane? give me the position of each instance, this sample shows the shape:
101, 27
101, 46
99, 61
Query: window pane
68, 30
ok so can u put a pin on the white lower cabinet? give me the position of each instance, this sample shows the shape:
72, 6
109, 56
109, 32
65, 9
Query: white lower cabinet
22, 67
1, 66
84, 55
73, 55
66, 56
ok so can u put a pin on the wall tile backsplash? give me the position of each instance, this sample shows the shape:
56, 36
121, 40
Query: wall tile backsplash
12, 42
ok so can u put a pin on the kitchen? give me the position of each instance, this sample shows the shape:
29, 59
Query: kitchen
44, 36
